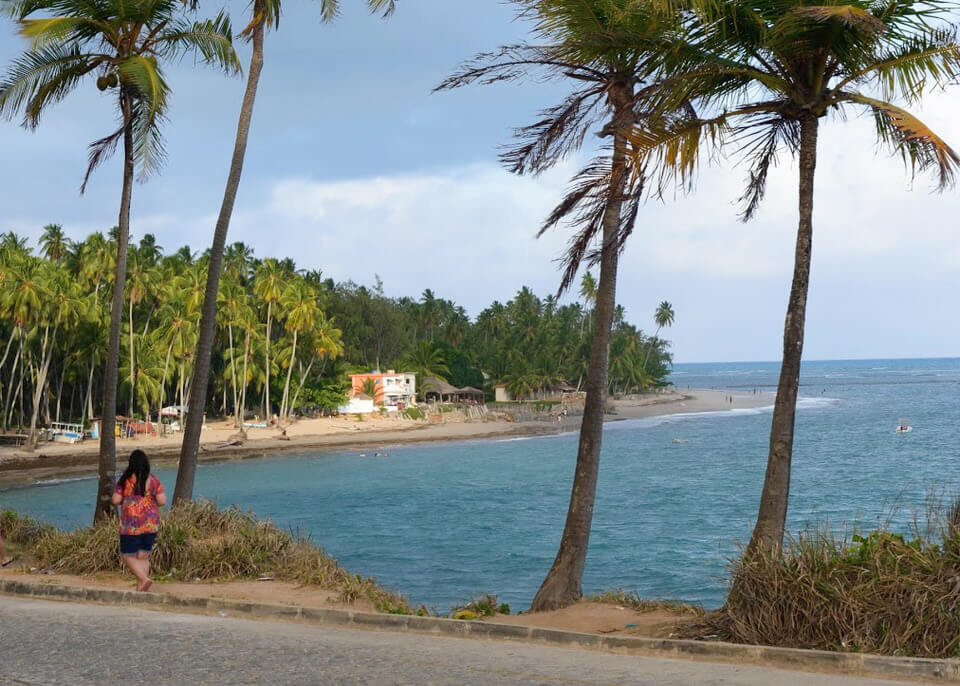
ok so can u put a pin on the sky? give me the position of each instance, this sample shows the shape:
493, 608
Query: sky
355, 168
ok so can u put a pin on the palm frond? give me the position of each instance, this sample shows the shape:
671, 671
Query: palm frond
911, 66
100, 151
41, 77
760, 142
584, 207
561, 131
143, 76
212, 39
920, 148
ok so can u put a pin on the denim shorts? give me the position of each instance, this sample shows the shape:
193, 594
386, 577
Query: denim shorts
131, 545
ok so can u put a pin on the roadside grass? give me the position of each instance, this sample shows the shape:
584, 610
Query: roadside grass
879, 592
632, 600
199, 542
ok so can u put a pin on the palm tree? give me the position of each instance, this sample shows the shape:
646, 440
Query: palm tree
122, 43
762, 75
268, 286
302, 314
265, 13
608, 49
426, 360
664, 316
139, 286
54, 244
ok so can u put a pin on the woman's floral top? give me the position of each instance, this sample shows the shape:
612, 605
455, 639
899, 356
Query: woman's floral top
139, 514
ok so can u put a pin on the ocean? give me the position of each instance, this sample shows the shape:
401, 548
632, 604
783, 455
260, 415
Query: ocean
445, 522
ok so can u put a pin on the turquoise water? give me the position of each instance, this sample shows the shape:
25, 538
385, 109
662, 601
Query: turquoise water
444, 522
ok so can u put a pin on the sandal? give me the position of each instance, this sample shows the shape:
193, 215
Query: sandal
8, 562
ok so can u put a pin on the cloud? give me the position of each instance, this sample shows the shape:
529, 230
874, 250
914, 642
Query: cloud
467, 232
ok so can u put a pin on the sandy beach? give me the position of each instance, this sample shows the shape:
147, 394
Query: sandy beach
55, 460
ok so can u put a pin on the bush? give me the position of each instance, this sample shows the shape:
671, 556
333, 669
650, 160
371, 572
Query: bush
882, 593
413, 413
199, 542
484, 606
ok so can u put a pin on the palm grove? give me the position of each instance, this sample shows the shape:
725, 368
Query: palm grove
54, 298
661, 83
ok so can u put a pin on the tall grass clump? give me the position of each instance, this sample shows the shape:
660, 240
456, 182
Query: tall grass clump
199, 542
881, 592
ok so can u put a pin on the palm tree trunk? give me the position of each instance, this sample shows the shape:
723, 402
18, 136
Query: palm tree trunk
562, 585
266, 369
242, 410
87, 411
201, 372
132, 376
13, 373
772, 516
304, 375
107, 466
650, 348
233, 371
284, 407
41, 381
63, 374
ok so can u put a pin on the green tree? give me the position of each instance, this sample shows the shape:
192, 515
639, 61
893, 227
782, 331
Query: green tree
664, 316
425, 360
609, 49
124, 45
53, 243
762, 75
265, 13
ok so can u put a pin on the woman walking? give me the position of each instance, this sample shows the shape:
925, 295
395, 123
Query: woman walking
140, 496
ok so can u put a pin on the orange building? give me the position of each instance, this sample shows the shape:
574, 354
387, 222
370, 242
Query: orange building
392, 389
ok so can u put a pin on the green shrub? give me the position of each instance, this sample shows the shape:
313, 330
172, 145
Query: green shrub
484, 606
880, 593
199, 542
413, 413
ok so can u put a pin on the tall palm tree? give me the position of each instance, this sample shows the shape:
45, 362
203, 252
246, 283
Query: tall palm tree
664, 316
762, 75
608, 49
139, 287
53, 243
302, 314
265, 13
426, 360
123, 44
268, 286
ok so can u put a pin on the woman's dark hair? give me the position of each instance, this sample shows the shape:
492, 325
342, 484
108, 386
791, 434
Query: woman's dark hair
138, 466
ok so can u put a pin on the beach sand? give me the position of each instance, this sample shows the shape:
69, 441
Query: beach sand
56, 460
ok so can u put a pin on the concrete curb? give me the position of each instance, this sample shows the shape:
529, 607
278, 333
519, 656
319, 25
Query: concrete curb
858, 664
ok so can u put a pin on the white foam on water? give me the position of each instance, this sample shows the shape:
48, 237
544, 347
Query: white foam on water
54, 482
802, 404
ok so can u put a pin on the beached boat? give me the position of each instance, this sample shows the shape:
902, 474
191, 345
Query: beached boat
903, 426
63, 432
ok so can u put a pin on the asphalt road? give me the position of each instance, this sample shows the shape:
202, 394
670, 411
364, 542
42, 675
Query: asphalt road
44, 642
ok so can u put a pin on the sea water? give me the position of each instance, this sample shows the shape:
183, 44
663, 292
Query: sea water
445, 522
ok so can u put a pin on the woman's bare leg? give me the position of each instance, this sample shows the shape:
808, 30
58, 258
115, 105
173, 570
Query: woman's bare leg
143, 557
136, 566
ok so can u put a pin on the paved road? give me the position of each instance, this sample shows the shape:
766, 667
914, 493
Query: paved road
63, 643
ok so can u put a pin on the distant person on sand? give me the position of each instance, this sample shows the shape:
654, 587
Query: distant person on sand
140, 496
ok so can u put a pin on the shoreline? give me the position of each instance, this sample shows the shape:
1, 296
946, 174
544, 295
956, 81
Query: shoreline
18, 468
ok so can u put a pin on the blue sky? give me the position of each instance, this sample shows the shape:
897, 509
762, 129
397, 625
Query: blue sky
355, 168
